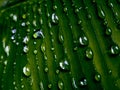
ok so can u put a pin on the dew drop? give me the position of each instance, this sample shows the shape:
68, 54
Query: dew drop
101, 12
83, 40
14, 31
89, 53
97, 77
23, 24
46, 69
5, 62
61, 38
26, 39
60, 85
108, 31
83, 82
25, 49
15, 18
109, 71
43, 47
115, 50
41, 86
64, 65
38, 34
57, 71
65, 9
24, 16
7, 50
26, 70
49, 85
35, 52
55, 18
54, 7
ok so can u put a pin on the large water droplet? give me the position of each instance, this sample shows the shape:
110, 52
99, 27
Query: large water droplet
108, 31
64, 65
60, 85
83, 40
83, 82
26, 70
38, 34
55, 18
97, 77
89, 53
115, 50
25, 49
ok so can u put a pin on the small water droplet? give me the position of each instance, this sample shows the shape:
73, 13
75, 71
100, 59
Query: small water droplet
65, 9
34, 23
35, 52
43, 47
25, 49
5, 62
54, 7
14, 31
101, 12
115, 50
26, 70
38, 34
83, 40
26, 39
60, 85
49, 85
7, 50
22, 86
55, 18
74, 83
41, 86
23, 24
24, 16
15, 18
89, 53
57, 71
108, 31
46, 69
83, 82
109, 71
64, 65
89, 16
97, 77
61, 38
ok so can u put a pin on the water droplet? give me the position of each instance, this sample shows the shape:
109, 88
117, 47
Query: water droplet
108, 31
24, 16
55, 18
26, 70
34, 23
97, 77
35, 52
54, 7
57, 71
38, 34
115, 50
60, 85
14, 31
101, 12
26, 39
109, 71
49, 85
23, 24
89, 16
89, 53
61, 38
5, 62
7, 50
22, 86
43, 47
41, 86
15, 18
46, 69
65, 9
64, 65
25, 49
83, 82
83, 40
74, 83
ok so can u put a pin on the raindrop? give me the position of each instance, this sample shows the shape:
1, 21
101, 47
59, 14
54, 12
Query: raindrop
83, 40
55, 18
115, 50
97, 77
89, 53
26, 70
108, 31
26, 39
25, 49
60, 85
38, 34
83, 82
64, 65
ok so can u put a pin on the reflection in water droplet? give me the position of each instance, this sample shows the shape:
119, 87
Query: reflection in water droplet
115, 50
83, 82
89, 53
55, 18
108, 31
26, 70
83, 40
25, 49
60, 85
97, 77
64, 65
38, 34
